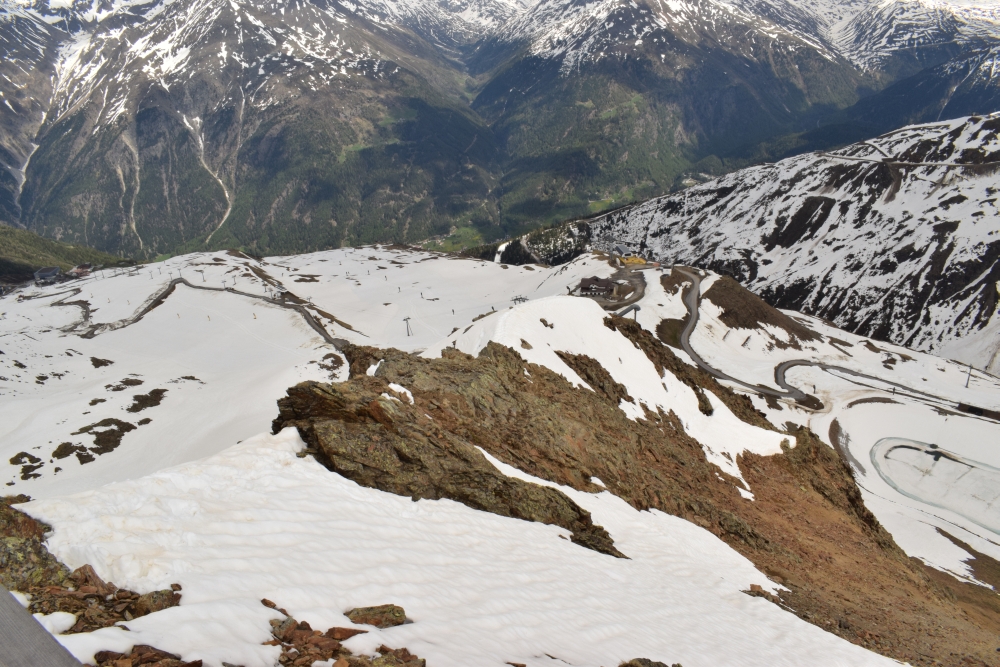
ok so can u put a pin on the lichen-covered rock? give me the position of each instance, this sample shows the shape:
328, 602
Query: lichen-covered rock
24, 560
382, 616
155, 601
25, 563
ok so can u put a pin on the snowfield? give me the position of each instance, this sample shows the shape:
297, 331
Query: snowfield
223, 357
204, 496
256, 521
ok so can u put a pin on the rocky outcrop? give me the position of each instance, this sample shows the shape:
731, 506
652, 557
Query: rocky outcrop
147, 656
302, 646
24, 560
359, 431
807, 527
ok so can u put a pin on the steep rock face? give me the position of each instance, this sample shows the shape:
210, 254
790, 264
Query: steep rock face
807, 527
895, 238
378, 441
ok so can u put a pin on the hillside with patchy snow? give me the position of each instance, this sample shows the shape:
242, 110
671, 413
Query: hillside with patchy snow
895, 238
485, 464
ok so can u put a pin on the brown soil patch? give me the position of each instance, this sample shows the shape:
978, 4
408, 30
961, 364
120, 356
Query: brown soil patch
98, 363
840, 441
142, 401
808, 528
107, 440
669, 331
872, 399
479, 317
333, 319
742, 309
595, 375
29, 464
978, 602
67, 449
124, 384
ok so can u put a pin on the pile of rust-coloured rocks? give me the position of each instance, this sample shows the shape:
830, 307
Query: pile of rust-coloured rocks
302, 646
98, 604
146, 656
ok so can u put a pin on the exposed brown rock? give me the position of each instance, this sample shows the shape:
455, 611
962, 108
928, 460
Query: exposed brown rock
146, 656
301, 646
393, 446
383, 616
155, 601
595, 375
27, 566
340, 634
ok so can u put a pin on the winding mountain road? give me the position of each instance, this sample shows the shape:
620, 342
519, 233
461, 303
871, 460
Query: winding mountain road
692, 301
291, 303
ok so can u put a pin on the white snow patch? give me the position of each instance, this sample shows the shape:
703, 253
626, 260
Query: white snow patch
57, 622
400, 389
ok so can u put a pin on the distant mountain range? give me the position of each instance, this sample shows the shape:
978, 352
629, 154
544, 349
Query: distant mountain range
144, 128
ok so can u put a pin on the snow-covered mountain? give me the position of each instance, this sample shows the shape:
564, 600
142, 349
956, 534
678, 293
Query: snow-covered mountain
897, 237
914, 30
867, 33
145, 127
141, 431
588, 32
